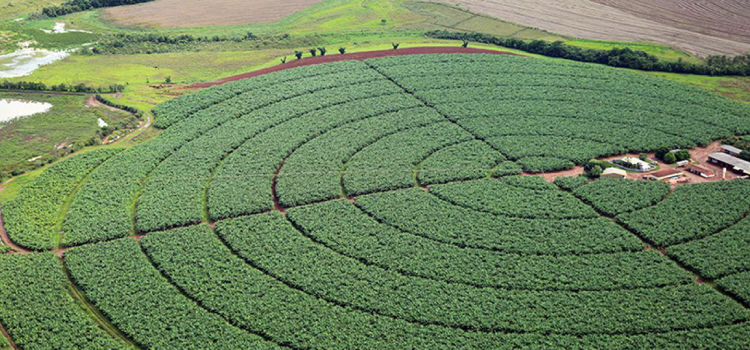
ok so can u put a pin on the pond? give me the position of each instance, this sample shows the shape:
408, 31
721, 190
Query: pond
25, 61
12, 109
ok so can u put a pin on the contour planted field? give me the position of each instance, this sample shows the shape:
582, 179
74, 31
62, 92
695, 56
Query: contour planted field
377, 205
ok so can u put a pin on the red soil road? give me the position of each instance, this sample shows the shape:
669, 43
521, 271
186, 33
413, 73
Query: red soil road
359, 56
6, 238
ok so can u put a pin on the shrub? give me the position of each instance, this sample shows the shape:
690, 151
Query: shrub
670, 158
682, 155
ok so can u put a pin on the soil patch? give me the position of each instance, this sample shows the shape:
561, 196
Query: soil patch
200, 13
699, 27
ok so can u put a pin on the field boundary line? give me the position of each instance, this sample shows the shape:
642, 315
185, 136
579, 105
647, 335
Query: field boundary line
97, 315
58, 230
426, 104
201, 305
685, 268
5, 333
146, 178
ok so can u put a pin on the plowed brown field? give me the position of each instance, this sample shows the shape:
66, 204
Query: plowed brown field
701, 27
196, 13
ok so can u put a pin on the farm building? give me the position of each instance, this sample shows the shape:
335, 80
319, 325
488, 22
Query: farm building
700, 171
614, 173
728, 161
666, 174
639, 164
731, 150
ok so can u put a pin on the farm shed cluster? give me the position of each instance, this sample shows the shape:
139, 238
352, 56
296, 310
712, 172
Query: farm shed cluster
614, 173
663, 175
728, 161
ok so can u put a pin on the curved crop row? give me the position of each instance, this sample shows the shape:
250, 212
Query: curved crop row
33, 218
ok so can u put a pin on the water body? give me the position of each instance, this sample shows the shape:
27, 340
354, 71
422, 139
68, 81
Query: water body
26, 60
12, 109
59, 28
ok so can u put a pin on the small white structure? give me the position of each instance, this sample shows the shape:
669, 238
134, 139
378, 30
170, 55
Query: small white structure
614, 173
639, 164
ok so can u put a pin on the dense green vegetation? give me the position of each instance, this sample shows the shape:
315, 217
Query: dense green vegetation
377, 205
692, 212
617, 196
38, 311
118, 279
33, 217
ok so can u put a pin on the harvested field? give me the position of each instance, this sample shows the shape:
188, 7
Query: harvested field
197, 13
694, 26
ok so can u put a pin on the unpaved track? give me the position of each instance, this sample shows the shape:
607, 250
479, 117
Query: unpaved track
6, 238
198, 13
292, 63
695, 26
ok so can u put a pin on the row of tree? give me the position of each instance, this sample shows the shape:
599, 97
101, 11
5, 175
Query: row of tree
135, 111
34, 86
72, 6
616, 57
124, 43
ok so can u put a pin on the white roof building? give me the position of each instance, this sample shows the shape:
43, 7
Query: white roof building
614, 173
642, 165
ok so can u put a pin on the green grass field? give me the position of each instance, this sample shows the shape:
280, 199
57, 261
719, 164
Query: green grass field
12, 9
49, 134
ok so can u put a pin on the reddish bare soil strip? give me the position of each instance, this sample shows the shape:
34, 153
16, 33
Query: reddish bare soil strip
359, 56
7, 336
92, 102
699, 31
276, 203
6, 238
550, 177
198, 13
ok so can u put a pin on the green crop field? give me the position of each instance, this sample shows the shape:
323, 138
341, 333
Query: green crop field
378, 204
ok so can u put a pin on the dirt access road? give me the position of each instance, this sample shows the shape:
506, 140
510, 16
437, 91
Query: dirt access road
700, 27
200, 13
292, 63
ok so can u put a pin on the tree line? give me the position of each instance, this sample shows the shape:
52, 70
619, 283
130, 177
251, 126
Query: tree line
135, 111
72, 6
62, 87
616, 57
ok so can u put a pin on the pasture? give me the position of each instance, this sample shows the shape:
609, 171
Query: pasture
29, 142
378, 204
